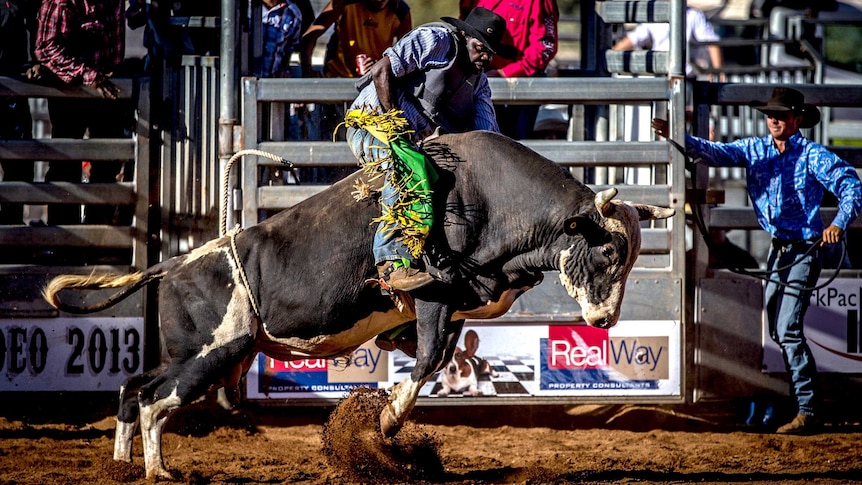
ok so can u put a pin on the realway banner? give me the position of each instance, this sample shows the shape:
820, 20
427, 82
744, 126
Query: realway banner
529, 359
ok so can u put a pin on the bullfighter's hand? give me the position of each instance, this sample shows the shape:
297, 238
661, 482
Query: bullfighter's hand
660, 126
832, 234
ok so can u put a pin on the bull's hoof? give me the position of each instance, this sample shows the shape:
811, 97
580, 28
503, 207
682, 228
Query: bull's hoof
160, 475
389, 425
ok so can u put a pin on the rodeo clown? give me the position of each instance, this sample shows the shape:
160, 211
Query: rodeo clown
431, 80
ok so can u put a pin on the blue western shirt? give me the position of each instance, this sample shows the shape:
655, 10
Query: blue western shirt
787, 188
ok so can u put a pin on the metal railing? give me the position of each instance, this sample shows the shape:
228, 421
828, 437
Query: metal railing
135, 194
586, 157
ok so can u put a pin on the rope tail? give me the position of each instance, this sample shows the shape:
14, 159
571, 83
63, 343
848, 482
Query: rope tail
129, 283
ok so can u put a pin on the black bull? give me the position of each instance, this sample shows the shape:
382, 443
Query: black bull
295, 285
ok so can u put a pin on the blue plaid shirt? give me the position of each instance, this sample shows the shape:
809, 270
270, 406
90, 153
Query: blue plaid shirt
281, 32
787, 188
427, 47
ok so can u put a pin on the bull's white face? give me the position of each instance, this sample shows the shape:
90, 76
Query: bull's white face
594, 269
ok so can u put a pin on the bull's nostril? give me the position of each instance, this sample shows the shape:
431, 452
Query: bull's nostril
603, 323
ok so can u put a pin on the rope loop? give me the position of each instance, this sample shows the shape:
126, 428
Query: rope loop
226, 179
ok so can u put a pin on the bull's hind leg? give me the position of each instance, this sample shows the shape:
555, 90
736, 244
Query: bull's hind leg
182, 383
127, 415
437, 337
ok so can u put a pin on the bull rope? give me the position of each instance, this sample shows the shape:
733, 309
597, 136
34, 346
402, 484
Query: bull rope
238, 229
226, 179
233, 251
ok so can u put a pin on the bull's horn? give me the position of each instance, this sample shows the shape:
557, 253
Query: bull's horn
651, 212
603, 201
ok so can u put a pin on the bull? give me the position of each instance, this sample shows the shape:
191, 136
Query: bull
295, 286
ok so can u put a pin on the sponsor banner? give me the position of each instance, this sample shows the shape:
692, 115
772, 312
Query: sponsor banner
639, 358
632, 358
367, 366
833, 329
70, 354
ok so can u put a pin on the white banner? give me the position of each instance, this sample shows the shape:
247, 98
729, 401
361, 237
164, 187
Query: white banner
832, 328
634, 358
70, 354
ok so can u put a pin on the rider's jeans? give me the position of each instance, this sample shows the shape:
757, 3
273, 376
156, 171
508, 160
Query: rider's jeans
387, 246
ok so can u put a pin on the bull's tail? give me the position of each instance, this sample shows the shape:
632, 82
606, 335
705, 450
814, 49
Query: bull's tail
129, 283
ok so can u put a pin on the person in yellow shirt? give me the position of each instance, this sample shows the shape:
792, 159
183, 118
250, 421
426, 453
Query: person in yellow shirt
362, 27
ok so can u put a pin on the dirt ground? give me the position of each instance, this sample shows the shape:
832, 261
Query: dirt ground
68, 441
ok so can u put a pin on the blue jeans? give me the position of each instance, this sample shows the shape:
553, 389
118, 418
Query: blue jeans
387, 246
785, 312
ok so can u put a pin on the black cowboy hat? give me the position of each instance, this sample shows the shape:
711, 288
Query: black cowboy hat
787, 99
486, 26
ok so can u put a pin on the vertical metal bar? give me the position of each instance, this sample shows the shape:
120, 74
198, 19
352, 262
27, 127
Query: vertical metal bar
677, 99
676, 55
589, 36
228, 110
250, 131
147, 215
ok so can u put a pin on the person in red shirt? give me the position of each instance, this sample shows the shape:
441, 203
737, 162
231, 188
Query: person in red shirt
82, 42
531, 27
17, 28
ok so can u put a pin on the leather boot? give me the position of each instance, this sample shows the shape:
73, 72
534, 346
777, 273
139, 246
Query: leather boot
801, 424
403, 278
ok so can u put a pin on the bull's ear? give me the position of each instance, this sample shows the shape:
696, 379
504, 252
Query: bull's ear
651, 212
572, 224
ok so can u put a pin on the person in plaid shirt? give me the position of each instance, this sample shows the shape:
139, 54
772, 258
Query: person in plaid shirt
82, 42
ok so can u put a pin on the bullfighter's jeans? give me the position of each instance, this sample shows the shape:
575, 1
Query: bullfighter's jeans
366, 148
785, 312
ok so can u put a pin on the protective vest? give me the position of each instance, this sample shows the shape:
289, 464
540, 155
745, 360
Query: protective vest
445, 95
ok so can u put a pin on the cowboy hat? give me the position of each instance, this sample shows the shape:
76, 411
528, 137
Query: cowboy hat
786, 99
486, 26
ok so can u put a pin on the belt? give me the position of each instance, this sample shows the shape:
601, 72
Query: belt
783, 244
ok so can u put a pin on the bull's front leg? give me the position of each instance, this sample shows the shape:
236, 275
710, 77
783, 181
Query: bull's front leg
437, 337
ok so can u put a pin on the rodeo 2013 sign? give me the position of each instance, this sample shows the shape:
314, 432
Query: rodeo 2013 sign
634, 358
70, 354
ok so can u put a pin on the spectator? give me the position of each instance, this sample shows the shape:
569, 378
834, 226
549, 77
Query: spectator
531, 27
552, 123
83, 42
281, 31
788, 176
697, 28
362, 27
434, 76
17, 37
